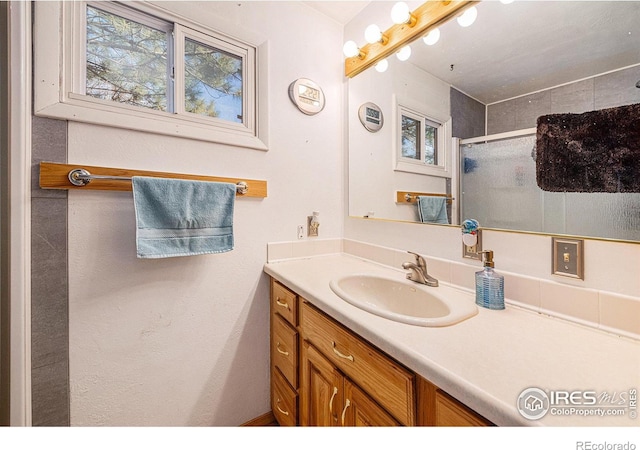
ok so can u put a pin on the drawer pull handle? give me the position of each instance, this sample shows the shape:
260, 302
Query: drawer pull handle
285, 353
286, 413
281, 303
341, 355
335, 391
344, 411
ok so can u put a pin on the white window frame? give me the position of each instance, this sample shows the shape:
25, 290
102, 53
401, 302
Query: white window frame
59, 83
443, 141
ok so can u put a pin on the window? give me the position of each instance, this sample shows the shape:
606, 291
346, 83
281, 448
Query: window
213, 82
142, 68
215, 79
419, 140
126, 61
422, 143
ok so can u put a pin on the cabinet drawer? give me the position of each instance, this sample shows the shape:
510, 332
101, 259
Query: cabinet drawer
452, 413
284, 302
284, 400
284, 349
388, 382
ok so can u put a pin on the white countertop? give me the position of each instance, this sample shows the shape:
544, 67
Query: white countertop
488, 360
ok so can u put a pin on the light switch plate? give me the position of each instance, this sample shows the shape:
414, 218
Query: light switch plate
567, 257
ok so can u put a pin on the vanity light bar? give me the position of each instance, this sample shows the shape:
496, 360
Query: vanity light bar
429, 15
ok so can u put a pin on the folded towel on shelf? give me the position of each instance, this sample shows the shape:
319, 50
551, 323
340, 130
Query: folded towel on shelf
432, 209
182, 217
596, 151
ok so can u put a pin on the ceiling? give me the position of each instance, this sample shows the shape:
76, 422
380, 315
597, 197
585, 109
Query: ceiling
522, 47
528, 46
340, 11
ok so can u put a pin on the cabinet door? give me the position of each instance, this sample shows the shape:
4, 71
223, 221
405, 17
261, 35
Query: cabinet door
320, 389
284, 400
452, 413
360, 410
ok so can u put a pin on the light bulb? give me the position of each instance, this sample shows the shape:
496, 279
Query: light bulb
432, 37
400, 13
372, 34
350, 49
382, 65
404, 53
468, 17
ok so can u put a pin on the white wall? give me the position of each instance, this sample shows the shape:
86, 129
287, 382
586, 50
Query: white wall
373, 180
184, 341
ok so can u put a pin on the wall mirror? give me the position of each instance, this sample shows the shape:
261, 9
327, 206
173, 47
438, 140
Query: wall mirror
491, 81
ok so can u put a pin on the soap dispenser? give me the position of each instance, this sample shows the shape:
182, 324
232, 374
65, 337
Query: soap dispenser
489, 284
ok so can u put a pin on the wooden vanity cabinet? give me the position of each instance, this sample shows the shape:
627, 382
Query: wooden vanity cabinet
284, 354
380, 378
322, 374
329, 398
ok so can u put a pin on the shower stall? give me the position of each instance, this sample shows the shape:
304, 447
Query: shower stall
498, 188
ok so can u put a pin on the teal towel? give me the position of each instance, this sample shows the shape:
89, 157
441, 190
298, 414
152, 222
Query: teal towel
182, 217
432, 209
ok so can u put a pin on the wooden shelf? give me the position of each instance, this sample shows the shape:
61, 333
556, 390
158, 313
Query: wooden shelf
412, 197
56, 176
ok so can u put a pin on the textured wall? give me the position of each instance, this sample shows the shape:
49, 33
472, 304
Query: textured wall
467, 115
605, 91
49, 288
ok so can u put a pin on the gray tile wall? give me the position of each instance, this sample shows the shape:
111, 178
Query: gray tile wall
605, 91
49, 282
467, 115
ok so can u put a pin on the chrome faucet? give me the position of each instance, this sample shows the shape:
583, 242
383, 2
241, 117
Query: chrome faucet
419, 271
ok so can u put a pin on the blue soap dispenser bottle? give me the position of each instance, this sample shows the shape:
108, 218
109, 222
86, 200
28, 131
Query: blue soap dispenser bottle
489, 284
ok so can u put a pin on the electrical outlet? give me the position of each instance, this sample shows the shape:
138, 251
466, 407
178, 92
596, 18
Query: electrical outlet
311, 230
473, 251
300, 232
568, 257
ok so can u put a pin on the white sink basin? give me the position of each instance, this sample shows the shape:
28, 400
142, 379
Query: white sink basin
405, 301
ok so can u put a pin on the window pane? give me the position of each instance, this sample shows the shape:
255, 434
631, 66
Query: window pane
410, 138
213, 82
126, 61
430, 143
